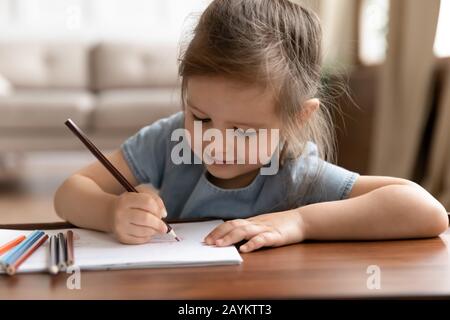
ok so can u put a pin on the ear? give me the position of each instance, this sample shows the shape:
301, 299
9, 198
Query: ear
308, 108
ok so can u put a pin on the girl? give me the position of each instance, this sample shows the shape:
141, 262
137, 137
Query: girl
252, 66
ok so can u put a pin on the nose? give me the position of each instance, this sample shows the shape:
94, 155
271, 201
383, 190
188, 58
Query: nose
225, 148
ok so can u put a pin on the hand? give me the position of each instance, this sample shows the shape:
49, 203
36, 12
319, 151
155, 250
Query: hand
137, 216
266, 230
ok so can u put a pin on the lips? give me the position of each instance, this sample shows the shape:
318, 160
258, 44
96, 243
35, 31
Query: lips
223, 162
218, 161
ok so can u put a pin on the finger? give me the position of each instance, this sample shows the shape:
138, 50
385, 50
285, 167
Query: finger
153, 193
147, 220
131, 239
240, 233
142, 188
161, 206
141, 201
139, 231
265, 239
223, 229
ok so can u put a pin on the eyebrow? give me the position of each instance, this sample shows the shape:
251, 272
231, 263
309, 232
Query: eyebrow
193, 106
250, 125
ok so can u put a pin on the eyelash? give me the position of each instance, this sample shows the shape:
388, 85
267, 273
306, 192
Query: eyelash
200, 119
240, 131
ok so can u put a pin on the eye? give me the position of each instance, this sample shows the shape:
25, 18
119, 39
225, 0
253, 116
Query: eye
245, 133
201, 119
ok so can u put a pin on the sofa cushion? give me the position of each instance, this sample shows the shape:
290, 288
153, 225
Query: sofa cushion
5, 86
133, 108
44, 65
44, 109
124, 65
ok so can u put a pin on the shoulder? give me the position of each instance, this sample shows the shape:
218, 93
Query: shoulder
156, 135
165, 126
307, 163
313, 179
147, 151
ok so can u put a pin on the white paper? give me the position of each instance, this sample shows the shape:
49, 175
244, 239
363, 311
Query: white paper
100, 251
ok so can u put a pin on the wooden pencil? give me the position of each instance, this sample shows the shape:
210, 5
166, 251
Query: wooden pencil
11, 256
12, 268
70, 249
53, 248
11, 244
62, 252
108, 165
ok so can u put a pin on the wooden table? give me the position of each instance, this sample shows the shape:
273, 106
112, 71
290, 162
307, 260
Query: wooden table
408, 268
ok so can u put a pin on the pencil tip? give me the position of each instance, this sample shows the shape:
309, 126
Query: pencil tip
10, 270
53, 270
174, 235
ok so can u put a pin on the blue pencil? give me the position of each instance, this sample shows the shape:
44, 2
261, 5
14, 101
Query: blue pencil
15, 253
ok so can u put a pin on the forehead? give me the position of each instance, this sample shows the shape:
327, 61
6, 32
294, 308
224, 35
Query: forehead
224, 95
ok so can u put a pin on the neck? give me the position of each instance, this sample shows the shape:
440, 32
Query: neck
236, 182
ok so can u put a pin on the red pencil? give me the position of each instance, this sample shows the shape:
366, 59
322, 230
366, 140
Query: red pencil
8, 246
11, 269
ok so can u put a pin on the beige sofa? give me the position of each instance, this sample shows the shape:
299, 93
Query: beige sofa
110, 90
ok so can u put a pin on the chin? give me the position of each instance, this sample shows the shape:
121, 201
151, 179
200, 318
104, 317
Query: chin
228, 171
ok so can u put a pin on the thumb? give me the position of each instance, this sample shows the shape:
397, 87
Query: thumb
146, 189
154, 193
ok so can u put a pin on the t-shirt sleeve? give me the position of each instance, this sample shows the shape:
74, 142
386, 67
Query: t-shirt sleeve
146, 152
320, 181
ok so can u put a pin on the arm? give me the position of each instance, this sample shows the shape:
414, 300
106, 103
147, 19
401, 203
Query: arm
92, 198
377, 208
86, 198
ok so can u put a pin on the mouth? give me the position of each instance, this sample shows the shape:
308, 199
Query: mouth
222, 162
218, 162
213, 161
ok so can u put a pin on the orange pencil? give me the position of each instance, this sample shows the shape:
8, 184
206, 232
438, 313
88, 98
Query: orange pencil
8, 246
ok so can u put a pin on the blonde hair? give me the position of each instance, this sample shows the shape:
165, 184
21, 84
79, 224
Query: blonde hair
274, 43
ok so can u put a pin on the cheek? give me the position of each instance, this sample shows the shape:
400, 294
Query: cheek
263, 146
194, 138
189, 127
273, 140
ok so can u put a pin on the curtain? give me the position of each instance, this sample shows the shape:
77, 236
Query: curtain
405, 89
437, 176
404, 97
339, 20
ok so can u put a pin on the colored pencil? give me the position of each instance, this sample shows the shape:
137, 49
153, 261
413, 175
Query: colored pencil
53, 255
11, 244
70, 252
62, 252
108, 165
17, 251
12, 268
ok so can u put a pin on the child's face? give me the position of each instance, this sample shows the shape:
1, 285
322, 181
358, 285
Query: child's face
227, 105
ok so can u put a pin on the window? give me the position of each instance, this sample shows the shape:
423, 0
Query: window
373, 30
442, 41
374, 27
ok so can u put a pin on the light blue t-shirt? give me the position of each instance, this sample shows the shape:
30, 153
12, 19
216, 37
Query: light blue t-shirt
187, 193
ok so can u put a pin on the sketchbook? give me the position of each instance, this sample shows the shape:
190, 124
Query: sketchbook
95, 250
